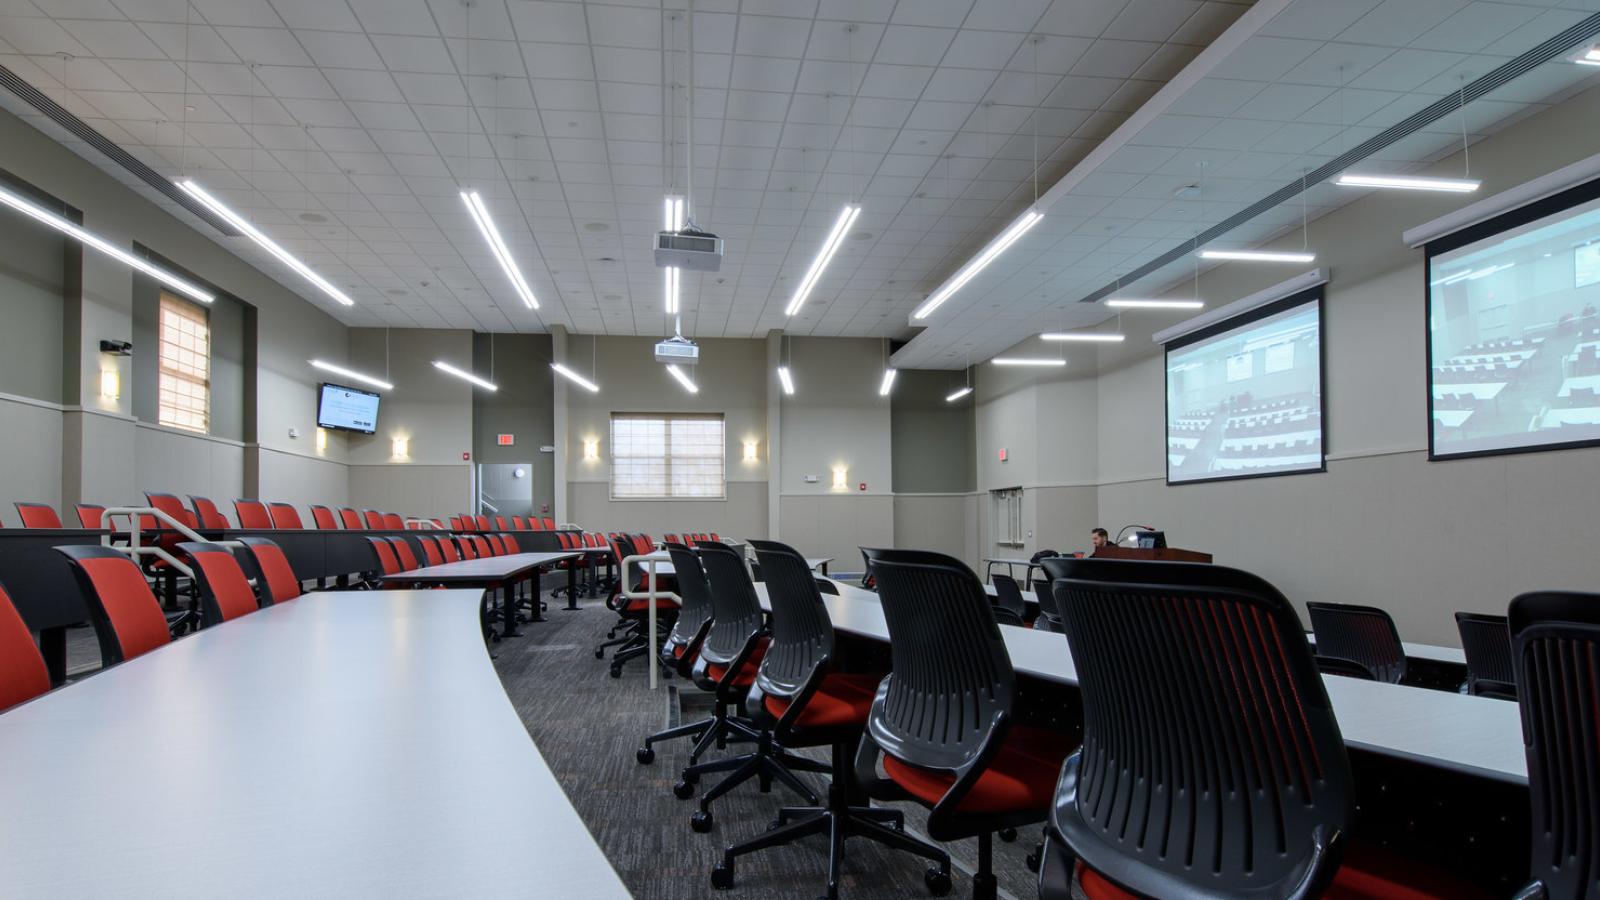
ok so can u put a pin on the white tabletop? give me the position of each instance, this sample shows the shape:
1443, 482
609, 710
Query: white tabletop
351, 744
817, 562
1477, 735
1592, 382
1483, 390
481, 569
1452, 418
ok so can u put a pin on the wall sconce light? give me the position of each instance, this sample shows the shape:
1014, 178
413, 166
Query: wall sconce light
322, 440
750, 451
402, 447
841, 481
110, 384
591, 449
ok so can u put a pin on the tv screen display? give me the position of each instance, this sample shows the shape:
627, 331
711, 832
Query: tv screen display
347, 409
1514, 331
1244, 398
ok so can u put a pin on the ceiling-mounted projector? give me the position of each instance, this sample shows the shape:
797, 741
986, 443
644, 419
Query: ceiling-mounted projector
678, 349
690, 249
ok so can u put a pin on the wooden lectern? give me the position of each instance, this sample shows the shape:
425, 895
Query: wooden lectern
1160, 554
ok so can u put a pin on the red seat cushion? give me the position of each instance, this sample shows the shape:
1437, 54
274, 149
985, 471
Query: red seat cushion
1369, 872
641, 606
1021, 776
840, 701
747, 672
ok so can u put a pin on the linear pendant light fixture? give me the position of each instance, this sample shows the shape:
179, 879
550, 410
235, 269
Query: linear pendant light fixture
888, 382
978, 263
1028, 361
497, 246
464, 375
671, 220
1097, 337
785, 379
54, 220
194, 190
959, 393
1131, 303
683, 379
841, 227
351, 374
1267, 256
574, 377
1410, 183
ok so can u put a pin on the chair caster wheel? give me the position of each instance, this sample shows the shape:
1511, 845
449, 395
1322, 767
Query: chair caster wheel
599, 654
722, 876
683, 790
700, 822
1007, 834
774, 825
938, 882
616, 672
1032, 862
645, 755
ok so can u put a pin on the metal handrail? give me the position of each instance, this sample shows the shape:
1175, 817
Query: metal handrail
650, 594
134, 550
426, 524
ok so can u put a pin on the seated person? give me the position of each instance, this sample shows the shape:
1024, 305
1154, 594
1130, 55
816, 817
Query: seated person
1098, 537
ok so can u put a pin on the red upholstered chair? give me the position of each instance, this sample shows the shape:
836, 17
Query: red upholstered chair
512, 544
481, 523
224, 592
943, 723
207, 514
671, 539
373, 519
448, 549
23, 675
252, 515
549, 524
480, 544
384, 560
517, 524
430, 550
500, 523
127, 618
497, 547
455, 523
38, 515
323, 518
281, 582
404, 554
468, 548
284, 515
804, 699
536, 524
394, 522
350, 519
1234, 678
90, 515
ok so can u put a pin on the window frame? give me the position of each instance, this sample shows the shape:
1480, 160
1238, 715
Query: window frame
1006, 504
171, 375
668, 457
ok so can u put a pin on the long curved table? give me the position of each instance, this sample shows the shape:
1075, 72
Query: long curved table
1476, 736
344, 744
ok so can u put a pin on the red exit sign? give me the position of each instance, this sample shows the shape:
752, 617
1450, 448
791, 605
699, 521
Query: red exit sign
505, 440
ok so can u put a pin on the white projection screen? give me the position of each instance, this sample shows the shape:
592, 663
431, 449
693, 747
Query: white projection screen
1514, 331
1244, 396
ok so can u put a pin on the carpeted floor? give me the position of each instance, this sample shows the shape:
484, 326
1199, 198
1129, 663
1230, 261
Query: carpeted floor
588, 725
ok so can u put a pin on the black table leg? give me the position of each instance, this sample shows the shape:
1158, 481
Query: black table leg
535, 584
509, 604
53, 647
572, 585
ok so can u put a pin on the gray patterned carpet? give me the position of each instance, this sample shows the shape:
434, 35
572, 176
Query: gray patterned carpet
588, 726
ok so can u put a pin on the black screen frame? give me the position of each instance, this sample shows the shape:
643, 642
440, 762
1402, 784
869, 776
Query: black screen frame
1522, 215
1312, 294
323, 386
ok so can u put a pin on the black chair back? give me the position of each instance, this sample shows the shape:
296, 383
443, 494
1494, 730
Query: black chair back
694, 596
1211, 763
1555, 638
1364, 635
952, 686
736, 617
802, 632
1009, 607
1486, 641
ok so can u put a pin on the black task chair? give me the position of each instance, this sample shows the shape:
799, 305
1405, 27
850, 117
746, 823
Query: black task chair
1556, 641
1255, 799
681, 649
629, 636
730, 656
807, 700
1009, 607
1364, 635
1486, 641
943, 722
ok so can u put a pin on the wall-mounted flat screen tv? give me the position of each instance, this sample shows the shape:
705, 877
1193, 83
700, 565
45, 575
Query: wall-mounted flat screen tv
347, 408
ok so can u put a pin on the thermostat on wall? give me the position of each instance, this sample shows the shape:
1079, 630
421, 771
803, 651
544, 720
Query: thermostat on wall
813, 479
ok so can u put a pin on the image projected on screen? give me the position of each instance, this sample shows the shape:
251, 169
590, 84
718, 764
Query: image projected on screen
1247, 401
1514, 337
